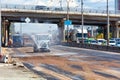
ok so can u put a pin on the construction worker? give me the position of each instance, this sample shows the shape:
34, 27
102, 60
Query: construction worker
10, 42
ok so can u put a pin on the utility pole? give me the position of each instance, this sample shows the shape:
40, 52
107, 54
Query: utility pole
21, 28
0, 29
67, 19
60, 4
82, 20
108, 24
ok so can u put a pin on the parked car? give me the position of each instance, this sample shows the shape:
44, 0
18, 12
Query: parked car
116, 39
118, 44
112, 43
101, 41
93, 42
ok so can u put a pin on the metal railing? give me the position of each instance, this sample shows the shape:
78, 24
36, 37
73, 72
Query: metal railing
92, 46
63, 9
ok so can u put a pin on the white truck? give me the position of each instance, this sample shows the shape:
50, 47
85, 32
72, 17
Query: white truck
77, 34
17, 40
41, 42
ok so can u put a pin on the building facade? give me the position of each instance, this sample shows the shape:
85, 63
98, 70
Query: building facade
117, 5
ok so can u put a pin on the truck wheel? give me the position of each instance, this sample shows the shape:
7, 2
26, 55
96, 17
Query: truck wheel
48, 51
35, 50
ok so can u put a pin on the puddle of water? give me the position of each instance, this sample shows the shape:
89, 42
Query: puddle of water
28, 65
63, 72
62, 54
115, 68
20, 56
44, 75
73, 59
77, 67
105, 74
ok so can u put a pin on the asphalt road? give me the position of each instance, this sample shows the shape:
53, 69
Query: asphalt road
69, 63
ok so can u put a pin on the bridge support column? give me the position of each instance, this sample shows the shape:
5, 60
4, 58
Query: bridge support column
117, 29
105, 32
5, 32
118, 32
61, 30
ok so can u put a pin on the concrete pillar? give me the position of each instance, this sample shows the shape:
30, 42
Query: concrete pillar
113, 30
5, 32
61, 30
104, 28
117, 29
92, 31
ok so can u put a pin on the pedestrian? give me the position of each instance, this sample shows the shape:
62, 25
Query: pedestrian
10, 43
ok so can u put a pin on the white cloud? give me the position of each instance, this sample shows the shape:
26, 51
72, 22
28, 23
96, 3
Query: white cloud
101, 1
72, 3
35, 2
30, 2
12, 1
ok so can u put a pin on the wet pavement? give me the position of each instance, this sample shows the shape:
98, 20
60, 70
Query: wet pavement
68, 63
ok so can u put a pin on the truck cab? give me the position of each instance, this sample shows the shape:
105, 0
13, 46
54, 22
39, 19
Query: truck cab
41, 42
17, 40
77, 34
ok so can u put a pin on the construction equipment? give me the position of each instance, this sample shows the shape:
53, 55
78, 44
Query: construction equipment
76, 34
41, 42
17, 40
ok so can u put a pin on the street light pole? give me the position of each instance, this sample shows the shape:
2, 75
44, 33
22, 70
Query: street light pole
60, 4
82, 20
67, 19
21, 28
107, 24
0, 29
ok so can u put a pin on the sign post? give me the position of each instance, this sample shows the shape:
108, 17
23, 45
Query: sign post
67, 22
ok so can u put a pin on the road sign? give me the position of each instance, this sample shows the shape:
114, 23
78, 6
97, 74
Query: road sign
27, 20
68, 22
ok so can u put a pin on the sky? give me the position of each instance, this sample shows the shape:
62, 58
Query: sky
35, 28
88, 4
91, 4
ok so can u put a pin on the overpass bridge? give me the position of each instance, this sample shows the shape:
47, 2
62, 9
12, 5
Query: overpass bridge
91, 17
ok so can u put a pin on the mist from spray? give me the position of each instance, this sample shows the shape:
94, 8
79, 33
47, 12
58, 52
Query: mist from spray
28, 29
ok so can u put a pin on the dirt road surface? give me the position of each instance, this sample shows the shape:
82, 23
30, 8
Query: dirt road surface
68, 63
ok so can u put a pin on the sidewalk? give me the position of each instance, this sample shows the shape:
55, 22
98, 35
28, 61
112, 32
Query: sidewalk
16, 72
10, 72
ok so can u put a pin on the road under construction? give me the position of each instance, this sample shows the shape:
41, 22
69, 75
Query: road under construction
64, 62
69, 63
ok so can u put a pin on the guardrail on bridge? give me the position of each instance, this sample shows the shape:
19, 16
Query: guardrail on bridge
72, 9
